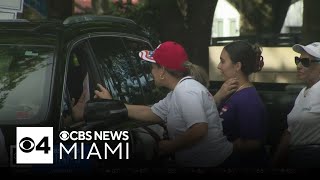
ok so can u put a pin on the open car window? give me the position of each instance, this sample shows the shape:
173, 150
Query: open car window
78, 81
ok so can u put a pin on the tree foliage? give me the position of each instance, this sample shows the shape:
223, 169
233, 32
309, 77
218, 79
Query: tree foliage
185, 21
189, 22
261, 16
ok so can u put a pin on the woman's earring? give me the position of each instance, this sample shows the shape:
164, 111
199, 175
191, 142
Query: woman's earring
161, 76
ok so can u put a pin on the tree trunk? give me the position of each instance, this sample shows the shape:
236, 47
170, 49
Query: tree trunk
279, 9
311, 26
263, 16
200, 17
171, 22
190, 24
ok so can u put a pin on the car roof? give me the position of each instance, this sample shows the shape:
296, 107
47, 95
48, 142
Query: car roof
76, 25
25, 32
46, 32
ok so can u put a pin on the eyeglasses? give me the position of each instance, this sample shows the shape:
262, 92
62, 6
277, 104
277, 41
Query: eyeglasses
304, 61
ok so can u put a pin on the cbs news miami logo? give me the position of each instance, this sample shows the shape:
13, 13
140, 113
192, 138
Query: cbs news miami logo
34, 145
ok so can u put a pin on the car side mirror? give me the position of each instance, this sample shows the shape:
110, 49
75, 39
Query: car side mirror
106, 111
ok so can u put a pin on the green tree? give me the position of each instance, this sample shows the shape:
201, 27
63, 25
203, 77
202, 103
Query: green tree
261, 16
188, 22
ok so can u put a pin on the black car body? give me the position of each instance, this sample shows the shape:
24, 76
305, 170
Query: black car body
43, 65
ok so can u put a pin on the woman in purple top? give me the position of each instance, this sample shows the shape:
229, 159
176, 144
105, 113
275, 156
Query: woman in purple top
243, 112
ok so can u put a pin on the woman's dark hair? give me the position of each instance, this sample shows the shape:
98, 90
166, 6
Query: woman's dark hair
249, 55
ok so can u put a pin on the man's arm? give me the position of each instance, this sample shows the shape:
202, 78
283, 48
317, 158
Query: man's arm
137, 112
193, 135
142, 113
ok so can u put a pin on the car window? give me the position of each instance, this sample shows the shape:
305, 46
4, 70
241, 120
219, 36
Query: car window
77, 81
118, 70
77, 71
25, 73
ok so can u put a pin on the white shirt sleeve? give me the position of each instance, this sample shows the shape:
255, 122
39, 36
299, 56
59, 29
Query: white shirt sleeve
161, 108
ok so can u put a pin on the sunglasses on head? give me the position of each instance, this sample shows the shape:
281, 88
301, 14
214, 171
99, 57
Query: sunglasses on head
304, 61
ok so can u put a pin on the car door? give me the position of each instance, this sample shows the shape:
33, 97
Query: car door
123, 74
80, 79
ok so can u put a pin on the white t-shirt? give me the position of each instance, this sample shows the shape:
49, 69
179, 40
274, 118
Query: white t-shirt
190, 103
304, 118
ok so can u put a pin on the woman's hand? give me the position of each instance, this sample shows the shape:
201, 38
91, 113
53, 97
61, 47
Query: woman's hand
227, 88
103, 93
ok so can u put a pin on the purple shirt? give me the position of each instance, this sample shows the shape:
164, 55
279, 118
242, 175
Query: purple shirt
244, 115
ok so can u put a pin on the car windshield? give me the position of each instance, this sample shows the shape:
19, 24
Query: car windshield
25, 73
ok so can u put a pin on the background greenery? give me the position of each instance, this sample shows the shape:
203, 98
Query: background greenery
189, 22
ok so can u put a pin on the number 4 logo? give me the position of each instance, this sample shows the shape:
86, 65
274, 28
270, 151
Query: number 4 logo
34, 145
43, 145
26, 145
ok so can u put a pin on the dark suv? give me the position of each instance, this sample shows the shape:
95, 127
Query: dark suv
44, 65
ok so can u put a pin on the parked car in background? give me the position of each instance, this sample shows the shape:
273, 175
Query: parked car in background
43, 65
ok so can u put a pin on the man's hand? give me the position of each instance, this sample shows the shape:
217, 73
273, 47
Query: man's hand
103, 93
78, 109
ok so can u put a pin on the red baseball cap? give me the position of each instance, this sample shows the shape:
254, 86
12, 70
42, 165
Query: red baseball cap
169, 54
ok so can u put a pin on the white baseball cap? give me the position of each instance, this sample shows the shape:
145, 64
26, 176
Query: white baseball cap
312, 49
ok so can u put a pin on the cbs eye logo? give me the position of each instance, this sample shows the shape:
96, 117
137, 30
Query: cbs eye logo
34, 145
27, 145
64, 135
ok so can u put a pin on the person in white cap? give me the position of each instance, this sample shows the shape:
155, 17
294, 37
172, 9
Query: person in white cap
189, 111
300, 143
